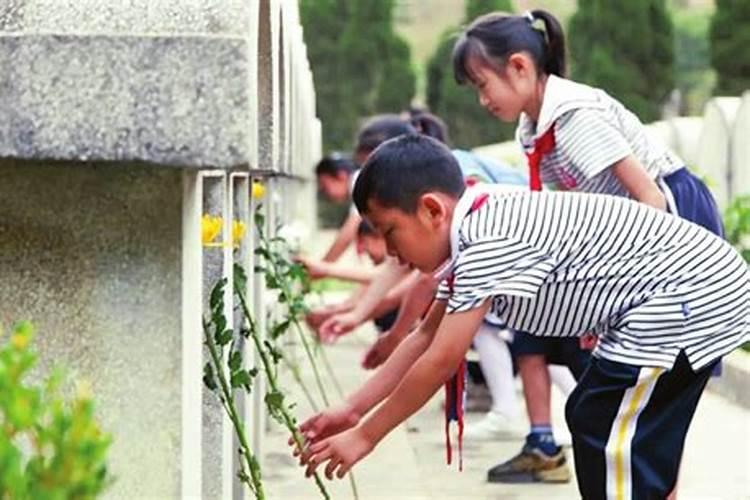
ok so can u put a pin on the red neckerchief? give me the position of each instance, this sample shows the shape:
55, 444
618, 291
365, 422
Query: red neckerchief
542, 146
456, 385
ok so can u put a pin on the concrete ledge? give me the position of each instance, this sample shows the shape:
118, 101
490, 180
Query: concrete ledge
735, 378
172, 100
133, 16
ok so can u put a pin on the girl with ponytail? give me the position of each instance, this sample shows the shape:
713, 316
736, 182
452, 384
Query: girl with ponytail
575, 137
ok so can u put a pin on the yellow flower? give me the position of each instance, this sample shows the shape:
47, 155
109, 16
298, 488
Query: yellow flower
22, 334
210, 228
258, 190
19, 340
238, 231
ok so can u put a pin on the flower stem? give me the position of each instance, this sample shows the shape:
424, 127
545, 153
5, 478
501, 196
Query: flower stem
255, 482
288, 420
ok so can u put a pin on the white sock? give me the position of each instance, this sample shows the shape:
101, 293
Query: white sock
497, 367
562, 378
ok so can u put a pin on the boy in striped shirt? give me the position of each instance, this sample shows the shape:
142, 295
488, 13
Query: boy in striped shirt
667, 298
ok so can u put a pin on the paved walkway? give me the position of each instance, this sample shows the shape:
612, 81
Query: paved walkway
410, 463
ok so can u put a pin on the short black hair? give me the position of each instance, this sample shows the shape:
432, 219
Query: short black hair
401, 170
365, 229
334, 163
379, 128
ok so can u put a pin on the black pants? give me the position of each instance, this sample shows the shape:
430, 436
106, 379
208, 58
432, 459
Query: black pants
628, 425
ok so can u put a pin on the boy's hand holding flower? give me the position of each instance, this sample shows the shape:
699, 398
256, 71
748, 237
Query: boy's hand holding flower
326, 424
341, 452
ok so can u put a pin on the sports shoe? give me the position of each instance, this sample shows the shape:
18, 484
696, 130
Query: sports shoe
532, 465
493, 425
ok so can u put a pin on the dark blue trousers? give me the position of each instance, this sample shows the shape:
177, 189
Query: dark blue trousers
628, 425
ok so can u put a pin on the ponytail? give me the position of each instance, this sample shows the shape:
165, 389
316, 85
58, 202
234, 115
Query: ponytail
554, 56
430, 125
491, 38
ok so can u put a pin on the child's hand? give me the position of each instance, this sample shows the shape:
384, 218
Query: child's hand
338, 325
316, 317
379, 351
588, 341
326, 424
341, 452
316, 269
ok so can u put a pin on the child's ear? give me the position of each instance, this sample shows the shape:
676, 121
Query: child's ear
432, 206
520, 63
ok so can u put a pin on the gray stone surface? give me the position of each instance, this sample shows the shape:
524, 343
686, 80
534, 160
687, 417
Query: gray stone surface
226, 17
91, 254
180, 101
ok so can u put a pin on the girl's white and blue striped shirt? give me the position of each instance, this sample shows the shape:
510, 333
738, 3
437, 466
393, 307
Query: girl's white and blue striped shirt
593, 131
563, 264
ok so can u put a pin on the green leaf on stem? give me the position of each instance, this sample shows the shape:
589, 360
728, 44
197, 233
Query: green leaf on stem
240, 278
275, 403
263, 252
279, 328
271, 282
220, 322
260, 219
224, 337
273, 351
208, 377
217, 294
235, 360
241, 378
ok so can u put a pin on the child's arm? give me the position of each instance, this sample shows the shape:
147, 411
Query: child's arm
345, 236
636, 181
321, 269
386, 279
395, 296
379, 385
413, 306
433, 368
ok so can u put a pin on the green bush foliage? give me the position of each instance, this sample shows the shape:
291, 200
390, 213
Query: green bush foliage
50, 448
625, 48
730, 36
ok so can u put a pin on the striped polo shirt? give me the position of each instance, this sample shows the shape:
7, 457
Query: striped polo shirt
592, 132
563, 264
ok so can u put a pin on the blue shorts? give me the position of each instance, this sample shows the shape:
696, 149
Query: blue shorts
694, 201
556, 350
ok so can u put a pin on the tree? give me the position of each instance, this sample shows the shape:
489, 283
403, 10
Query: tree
625, 48
730, 35
470, 124
360, 65
693, 73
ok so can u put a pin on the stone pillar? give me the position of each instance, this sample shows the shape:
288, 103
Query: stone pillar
740, 153
121, 124
714, 149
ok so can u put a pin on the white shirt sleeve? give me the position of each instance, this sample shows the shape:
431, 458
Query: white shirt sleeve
590, 142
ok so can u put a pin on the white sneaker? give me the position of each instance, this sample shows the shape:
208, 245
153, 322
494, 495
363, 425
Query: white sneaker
492, 425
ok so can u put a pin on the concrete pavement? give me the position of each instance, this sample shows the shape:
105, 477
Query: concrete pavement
410, 463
